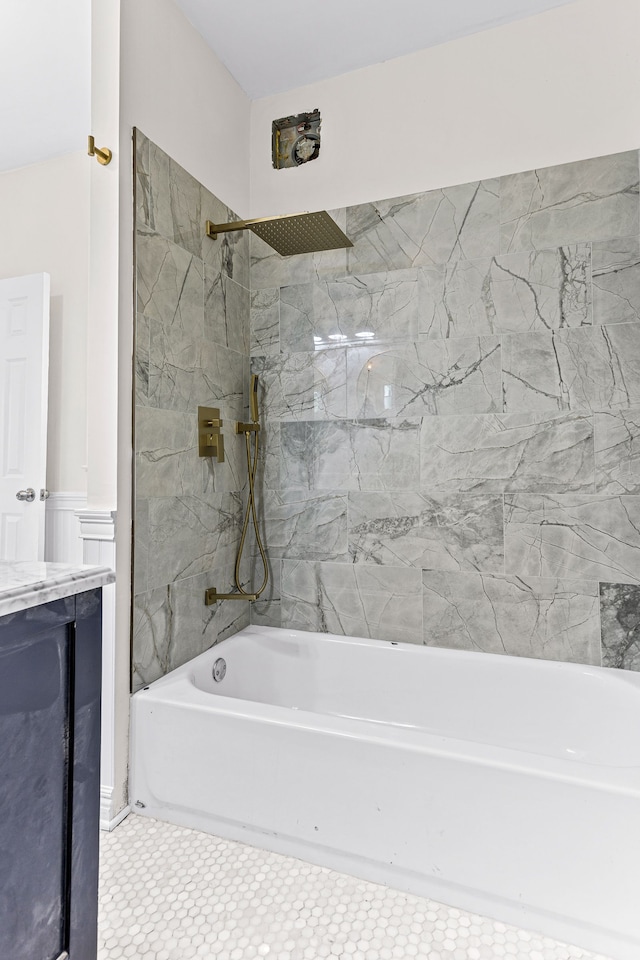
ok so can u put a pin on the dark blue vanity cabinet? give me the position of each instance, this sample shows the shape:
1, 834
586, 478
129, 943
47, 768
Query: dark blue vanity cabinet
50, 675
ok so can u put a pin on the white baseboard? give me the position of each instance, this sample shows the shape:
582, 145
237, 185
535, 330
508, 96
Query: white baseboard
97, 532
62, 541
108, 820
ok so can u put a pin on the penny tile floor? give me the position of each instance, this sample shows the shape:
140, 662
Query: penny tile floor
169, 893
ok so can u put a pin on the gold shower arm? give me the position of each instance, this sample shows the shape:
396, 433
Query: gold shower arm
213, 229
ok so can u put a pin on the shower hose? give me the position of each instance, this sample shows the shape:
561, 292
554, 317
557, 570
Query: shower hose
250, 512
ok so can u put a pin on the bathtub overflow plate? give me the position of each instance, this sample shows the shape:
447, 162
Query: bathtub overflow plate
219, 670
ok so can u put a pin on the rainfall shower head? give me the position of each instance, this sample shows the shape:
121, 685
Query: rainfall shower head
291, 233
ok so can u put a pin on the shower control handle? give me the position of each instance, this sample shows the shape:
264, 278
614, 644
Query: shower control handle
210, 440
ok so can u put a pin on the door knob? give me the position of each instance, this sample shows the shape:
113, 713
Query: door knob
29, 495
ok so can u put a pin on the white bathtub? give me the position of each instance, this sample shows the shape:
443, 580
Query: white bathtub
504, 786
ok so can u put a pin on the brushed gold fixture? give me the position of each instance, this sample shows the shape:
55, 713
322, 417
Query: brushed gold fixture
212, 596
102, 154
252, 465
253, 399
210, 440
290, 234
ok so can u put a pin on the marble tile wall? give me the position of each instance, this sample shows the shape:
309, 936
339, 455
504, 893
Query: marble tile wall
191, 349
452, 454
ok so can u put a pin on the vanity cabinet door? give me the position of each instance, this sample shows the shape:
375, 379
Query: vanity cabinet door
34, 795
49, 780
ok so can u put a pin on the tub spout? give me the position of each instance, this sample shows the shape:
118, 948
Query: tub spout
212, 596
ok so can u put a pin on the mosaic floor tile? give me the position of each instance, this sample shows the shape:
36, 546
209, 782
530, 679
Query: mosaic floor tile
169, 893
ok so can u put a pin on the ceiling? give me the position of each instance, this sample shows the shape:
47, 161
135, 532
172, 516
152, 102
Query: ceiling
269, 47
275, 46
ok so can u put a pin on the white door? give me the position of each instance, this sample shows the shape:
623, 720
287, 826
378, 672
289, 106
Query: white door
24, 375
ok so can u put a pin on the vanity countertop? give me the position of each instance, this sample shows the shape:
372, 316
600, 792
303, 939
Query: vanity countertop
27, 583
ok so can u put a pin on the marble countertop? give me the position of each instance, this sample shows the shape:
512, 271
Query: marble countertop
27, 583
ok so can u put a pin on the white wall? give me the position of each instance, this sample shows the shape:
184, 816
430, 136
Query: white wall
45, 227
180, 95
560, 86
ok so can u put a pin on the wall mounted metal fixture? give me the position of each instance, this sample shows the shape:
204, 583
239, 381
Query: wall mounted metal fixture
102, 154
210, 440
290, 234
212, 596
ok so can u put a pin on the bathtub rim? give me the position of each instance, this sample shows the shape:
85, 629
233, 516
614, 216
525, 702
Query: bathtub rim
607, 674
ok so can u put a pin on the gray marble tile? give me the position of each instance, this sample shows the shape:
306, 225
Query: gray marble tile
511, 293
269, 270
224, 619
269, 455
348, 310
586, 369
620, 624
438, 315
617, 451
267, 612
459, 222
265, 321
174, 368
214, 209
447, 533
303, 386
141, 360
440, 377
169, 286
189, 535
175, 208
187, 608
223, 383
197, 627
353, 600
167, 462
141, 547
229, 252
226, 311
616, 281
547, 619
299, 526
505, 452
351, 455
296, 463
587, 200
596, 537
172, 625
142, 180
151, 636
192, 351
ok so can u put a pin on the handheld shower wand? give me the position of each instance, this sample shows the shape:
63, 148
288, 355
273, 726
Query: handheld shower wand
253, 398
250, 429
